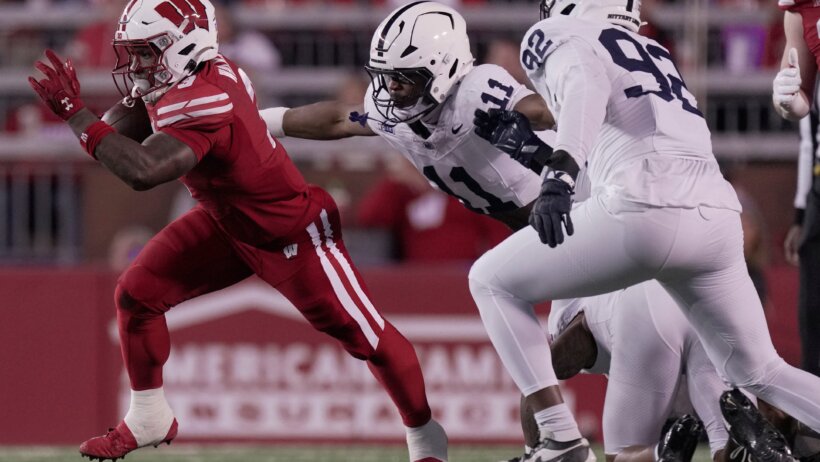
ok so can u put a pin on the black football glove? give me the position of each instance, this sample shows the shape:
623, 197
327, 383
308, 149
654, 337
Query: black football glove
510, 132
552, 208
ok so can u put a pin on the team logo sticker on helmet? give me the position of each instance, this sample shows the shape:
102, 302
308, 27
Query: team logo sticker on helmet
185, 14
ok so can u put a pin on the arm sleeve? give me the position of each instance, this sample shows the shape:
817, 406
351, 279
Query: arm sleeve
582, 90
805, 159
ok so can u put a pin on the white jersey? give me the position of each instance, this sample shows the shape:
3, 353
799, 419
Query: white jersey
638, 129
453, 157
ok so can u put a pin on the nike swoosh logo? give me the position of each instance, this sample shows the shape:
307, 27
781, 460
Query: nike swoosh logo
457, 129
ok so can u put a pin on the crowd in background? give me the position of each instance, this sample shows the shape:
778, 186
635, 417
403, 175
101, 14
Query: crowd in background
422, 223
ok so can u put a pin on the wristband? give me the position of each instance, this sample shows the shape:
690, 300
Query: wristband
274, 118
92, 136
562, 161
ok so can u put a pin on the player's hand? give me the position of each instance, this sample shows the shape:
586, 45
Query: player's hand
552, 208
786, 84
60, 89
792, 244
510, 132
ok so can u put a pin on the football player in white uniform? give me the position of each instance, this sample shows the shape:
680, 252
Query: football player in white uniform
646, 346
421, 100
660, 209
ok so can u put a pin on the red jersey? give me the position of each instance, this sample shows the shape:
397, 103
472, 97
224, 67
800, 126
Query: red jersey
244, 178
809, 11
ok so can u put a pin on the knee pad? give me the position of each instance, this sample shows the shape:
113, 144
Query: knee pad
482, 274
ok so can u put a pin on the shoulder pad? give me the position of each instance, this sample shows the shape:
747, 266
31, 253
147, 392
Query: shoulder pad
198, 104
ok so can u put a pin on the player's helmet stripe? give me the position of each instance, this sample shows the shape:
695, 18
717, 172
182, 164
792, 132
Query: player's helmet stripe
389, 24
130, 5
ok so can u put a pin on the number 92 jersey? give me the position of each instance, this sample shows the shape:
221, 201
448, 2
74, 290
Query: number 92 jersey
456, 160
653, 145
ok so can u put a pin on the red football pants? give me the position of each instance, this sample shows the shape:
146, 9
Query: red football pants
194, 256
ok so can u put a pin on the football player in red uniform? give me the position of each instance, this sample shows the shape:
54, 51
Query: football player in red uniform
793, 87
255, 215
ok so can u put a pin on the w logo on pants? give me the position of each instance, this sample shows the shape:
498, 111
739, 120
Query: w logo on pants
185, 14
290, 251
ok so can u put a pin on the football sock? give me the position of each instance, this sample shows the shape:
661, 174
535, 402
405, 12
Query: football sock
396, 367
557, 423
428, 440
149, 417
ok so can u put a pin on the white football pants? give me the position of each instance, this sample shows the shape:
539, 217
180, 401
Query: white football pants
696, 254
652, 346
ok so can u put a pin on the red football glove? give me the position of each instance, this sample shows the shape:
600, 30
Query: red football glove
60, 89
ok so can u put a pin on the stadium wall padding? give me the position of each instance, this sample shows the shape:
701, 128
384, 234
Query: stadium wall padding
246, 367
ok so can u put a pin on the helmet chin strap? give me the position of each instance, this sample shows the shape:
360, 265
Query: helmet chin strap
141, 86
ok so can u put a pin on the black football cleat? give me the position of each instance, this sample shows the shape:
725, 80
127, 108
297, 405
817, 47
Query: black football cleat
679, 442
748, 427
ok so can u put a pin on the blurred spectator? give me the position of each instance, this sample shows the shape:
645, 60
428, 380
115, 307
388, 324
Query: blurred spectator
504, 52
426, 224
248, 48
91, 48
775, 37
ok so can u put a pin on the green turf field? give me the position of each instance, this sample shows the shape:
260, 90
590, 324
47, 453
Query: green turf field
319, 453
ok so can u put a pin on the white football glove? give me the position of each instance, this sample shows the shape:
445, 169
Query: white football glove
786, 88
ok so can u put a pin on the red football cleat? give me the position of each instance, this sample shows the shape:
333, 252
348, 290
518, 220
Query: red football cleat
118, 442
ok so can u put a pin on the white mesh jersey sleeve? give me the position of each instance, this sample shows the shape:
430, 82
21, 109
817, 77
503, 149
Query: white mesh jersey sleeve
456, 160
622, 107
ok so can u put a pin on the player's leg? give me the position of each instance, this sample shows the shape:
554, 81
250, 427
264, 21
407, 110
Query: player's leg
707, 274
600, 257
705, 387
573, 350
330, 293
187, 258
644, 372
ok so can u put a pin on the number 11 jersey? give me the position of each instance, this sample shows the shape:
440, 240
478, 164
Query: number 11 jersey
456, 160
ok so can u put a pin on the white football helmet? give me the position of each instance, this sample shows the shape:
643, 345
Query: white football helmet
181, 34
424, 44
626, 13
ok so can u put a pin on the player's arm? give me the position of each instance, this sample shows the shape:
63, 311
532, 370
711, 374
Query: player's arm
326, 120
574, 349
536, 111
793, 87
159, 159
142, 166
